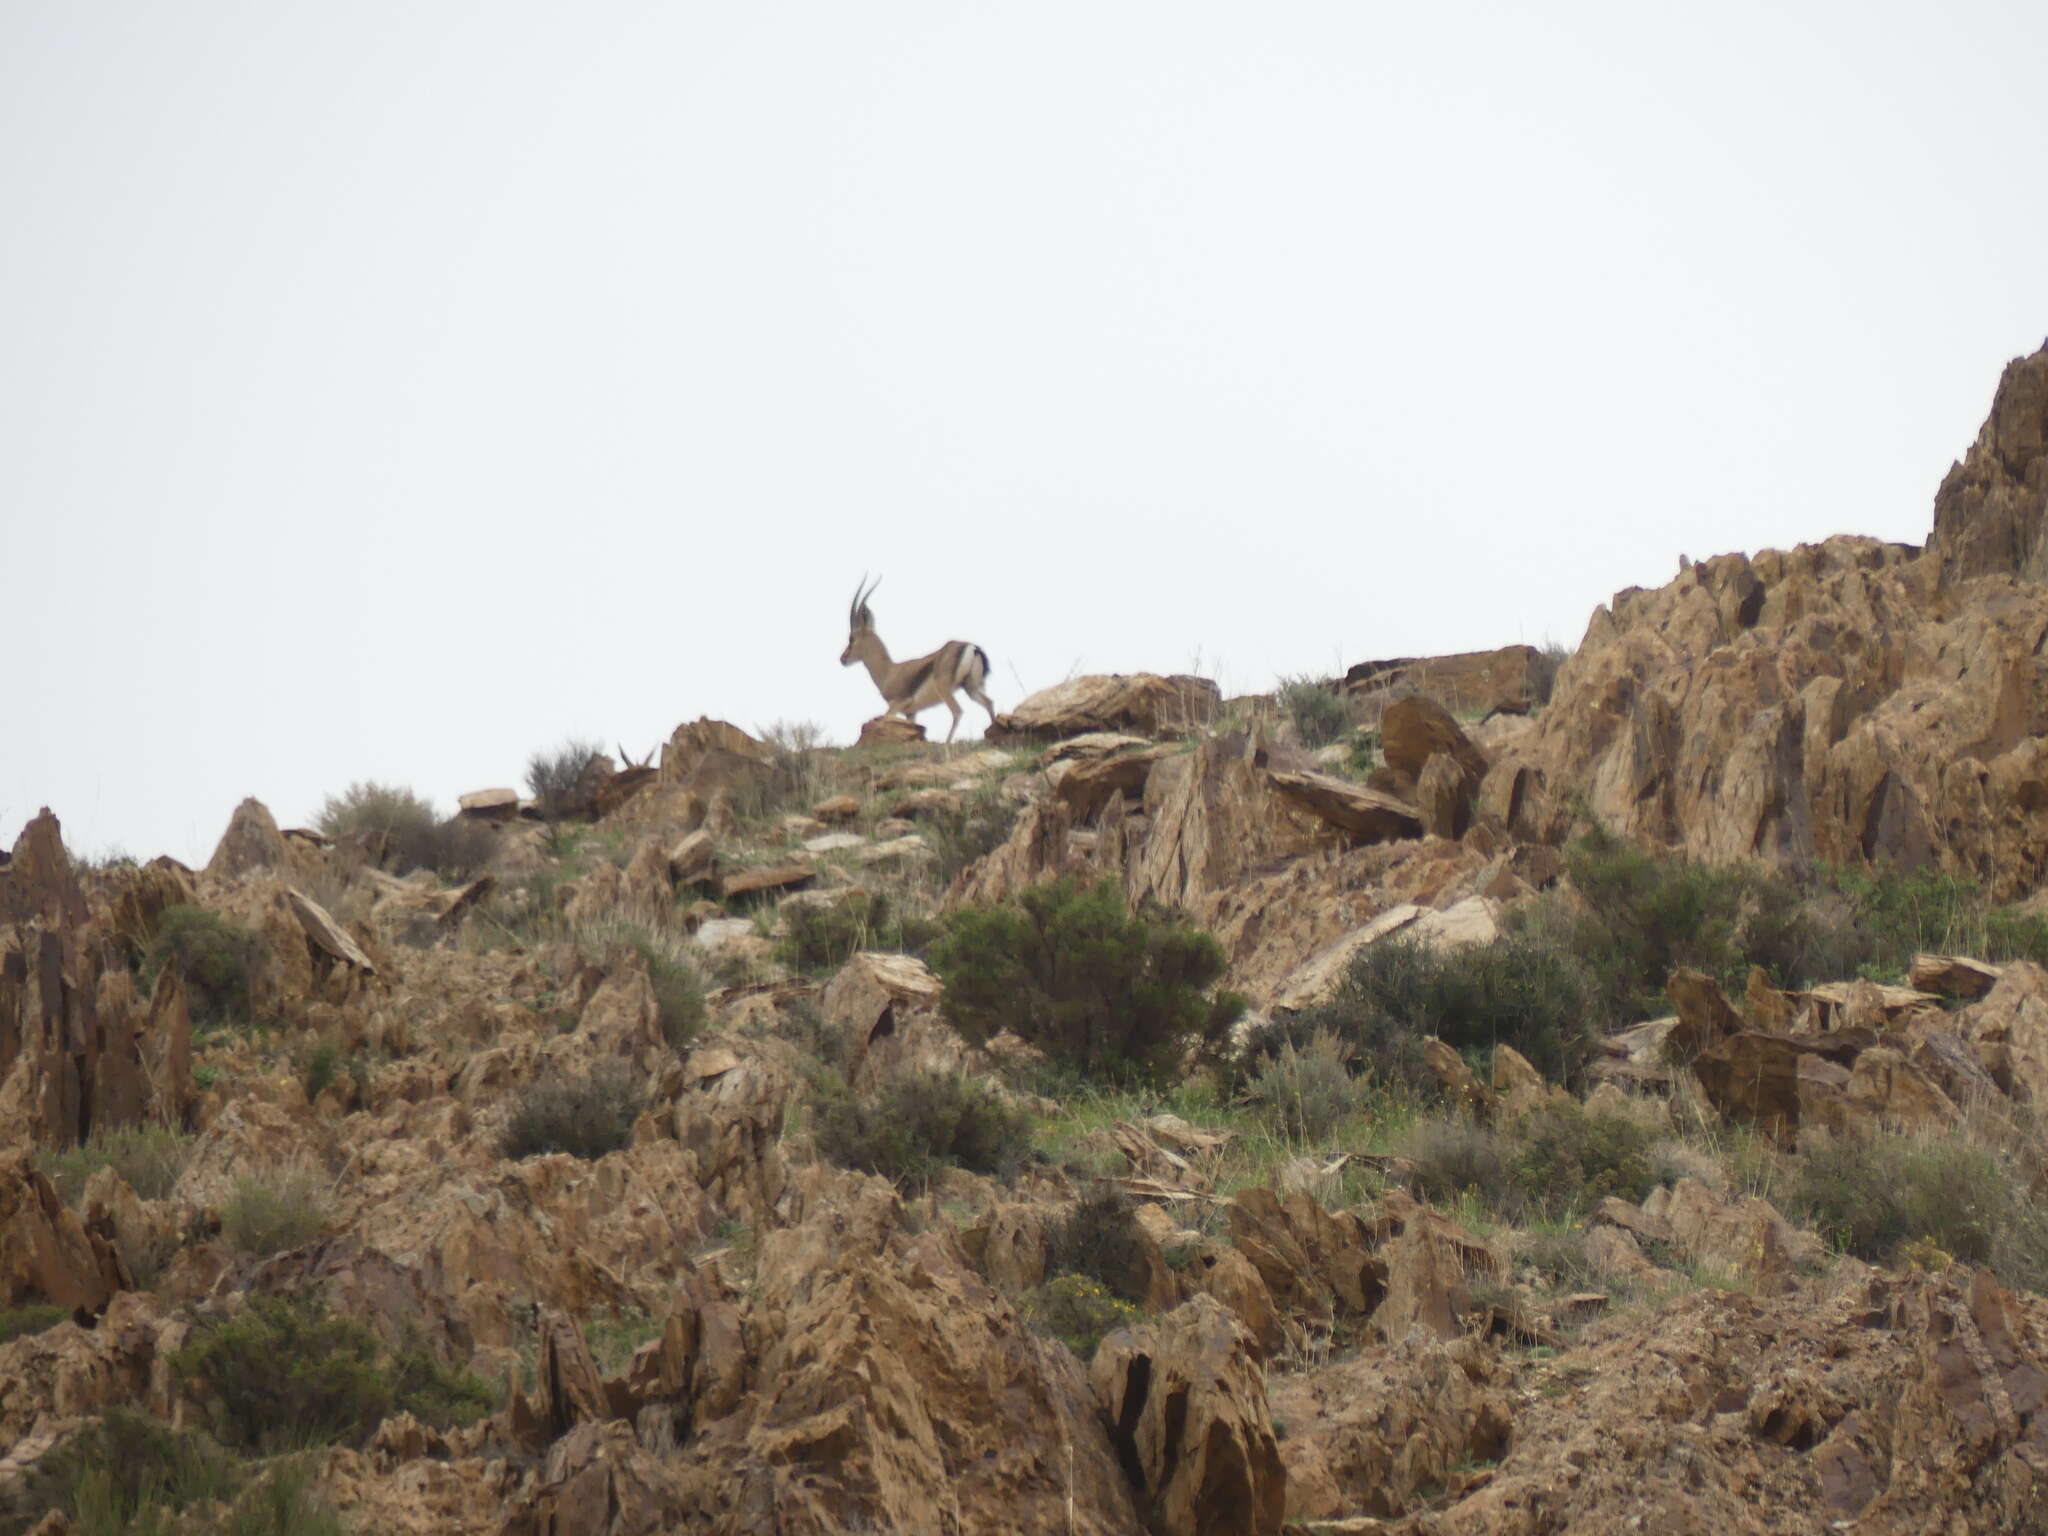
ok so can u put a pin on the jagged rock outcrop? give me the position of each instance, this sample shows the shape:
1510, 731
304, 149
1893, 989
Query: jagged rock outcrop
1381, 1434
1991, 513
1844, 701
1185, 1399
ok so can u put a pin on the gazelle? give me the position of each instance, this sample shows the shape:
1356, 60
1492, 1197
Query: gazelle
919, 683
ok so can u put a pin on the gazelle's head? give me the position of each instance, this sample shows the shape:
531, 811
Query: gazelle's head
860, 624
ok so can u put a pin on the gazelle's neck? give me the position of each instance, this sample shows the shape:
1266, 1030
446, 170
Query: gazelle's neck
875, 657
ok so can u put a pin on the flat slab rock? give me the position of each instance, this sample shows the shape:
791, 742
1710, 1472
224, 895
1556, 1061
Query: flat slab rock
1369, 814
771, 877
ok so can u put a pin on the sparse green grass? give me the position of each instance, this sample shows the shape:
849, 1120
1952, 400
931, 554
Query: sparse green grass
821, 939
149, 1159
274, 1214
614, 1337
19, 1322
127, 1473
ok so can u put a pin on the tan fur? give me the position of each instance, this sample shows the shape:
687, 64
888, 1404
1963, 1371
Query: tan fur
917, 684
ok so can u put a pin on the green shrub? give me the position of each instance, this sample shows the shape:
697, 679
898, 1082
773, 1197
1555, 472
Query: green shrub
960, 838
558, 780
126, 1471
1309, 1090
216, 957
283, 1373
323, 1066
1455, 1155
918, 1125
1106, 992
1561, 1158
436, 1395
267, 1216
1554, 1161
1078, 1311
19, 1322
1872, 1195
1099, 1238
821, 939
1523, 990
585, 1117
1543, 675
1320, 713
149, 1159
403, 832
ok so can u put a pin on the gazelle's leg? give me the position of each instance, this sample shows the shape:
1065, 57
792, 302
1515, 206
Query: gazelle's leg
953, 705
981, 698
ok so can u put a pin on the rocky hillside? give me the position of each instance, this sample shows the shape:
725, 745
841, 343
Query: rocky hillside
1448, 1099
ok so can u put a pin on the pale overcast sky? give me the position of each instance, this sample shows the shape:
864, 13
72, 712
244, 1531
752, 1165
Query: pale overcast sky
389, 390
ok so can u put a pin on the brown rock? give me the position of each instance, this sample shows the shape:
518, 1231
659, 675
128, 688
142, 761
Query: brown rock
1443, 797
888, 731
1366, 814
1705, 1018
1360, 812
1753, 1079
38, 882
694, 741
1142, 703
1764, 1006
1745, 1237
1186, 1402
1086, 786
46, 1254
1886, 1086
252, 842
1430, 1263
1415, 729
1991, 513
871, 995
325, 934
491, 805
1953, 975
2009, 1030
1380, 1434
1502, 680
693, 860
769, 877
837, 808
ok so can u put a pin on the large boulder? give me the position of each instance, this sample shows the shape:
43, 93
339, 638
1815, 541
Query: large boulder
1503, 680
1143, 702
1186, 1401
